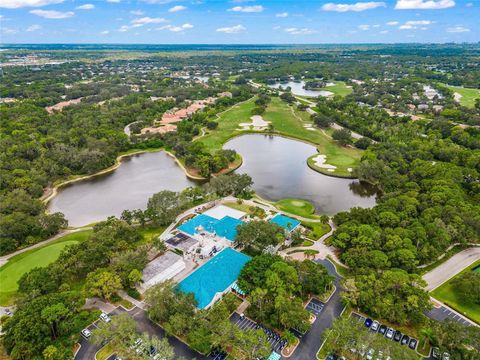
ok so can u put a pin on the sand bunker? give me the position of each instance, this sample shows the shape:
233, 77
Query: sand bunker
321, 162
457, 96
257, 124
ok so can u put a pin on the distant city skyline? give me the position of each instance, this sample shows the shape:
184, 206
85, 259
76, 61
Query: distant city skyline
239, 21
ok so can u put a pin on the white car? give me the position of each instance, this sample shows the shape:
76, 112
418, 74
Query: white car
375, 326
380, 355
370, 354
86, 333
390, 333
105, 317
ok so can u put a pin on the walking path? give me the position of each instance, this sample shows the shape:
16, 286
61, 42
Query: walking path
451, 267
4, 259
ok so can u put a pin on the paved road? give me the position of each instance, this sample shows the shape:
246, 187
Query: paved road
311, 342
88, 350
451, 267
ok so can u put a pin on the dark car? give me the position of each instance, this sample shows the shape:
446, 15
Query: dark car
368, 322
382, 329
412, 344
405, 340
397, 336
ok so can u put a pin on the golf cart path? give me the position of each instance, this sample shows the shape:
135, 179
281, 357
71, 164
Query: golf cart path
4, 259
451, 267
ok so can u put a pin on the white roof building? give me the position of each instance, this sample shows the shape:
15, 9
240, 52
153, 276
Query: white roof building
161, 269
220, 211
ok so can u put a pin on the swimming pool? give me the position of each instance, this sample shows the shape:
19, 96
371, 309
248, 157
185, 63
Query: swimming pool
225, 227
284, 221
215, 276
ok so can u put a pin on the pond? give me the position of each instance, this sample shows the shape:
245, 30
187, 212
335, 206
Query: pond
278, 167
297, 89
127, 187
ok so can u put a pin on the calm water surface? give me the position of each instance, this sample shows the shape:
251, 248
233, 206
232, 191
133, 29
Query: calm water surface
297, 89
279, 170
127, 187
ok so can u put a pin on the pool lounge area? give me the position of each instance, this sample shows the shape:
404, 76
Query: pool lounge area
284, 221
215, 277
226, 227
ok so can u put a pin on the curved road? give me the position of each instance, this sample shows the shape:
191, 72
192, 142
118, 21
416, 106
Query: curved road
451, 267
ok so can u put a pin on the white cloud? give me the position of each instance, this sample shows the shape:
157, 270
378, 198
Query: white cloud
232, 30
173, 28
247, 9
33, 28
124, 28
276, 27
14, 4
299, 31
363, 27
392, 23
376, 26
469, 4
147, 20
9, 31
414, 25
85, 7
424, 4
283, 14
458, 29
384, 32
113, 1
105, 32
359, 6
177, 8
137, 12
52, 14
158, 1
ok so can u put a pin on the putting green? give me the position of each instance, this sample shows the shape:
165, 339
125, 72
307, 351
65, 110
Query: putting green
20, 264
297, 207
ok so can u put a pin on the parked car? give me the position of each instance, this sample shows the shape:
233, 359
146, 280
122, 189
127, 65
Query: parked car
368, 322
390, 333
405, 339
380, 355
86, 333
370, 354
412, 343
446, 356
7, 311
362, 350
375, 326
136, 344
105, 317
383, 329
436, 353
397, 336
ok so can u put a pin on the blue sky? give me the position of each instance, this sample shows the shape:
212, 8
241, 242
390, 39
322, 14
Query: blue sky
238, 21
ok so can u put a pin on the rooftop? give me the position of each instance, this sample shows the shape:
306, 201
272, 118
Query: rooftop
159, 265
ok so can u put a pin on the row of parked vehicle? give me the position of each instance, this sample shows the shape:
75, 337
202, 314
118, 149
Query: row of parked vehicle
86, 333
391, 333
436, 354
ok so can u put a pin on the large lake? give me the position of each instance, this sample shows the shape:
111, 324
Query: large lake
127, 187
279, 170
297, 89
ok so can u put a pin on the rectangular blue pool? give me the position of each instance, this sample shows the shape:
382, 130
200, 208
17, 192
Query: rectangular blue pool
225, 227
284, 221
215, 276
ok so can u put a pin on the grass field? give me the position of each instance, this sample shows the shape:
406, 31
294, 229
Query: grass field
446, 293
340, 88
288, 122
468, 95
18, 265
317, 229
297, 207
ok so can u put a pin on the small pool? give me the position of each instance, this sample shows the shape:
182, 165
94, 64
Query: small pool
215, 276
225, 227
286, 222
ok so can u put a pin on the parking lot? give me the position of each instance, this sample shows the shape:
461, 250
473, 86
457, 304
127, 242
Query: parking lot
315, 306
382, 330
274, 338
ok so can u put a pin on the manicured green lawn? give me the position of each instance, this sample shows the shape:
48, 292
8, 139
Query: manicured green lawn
446, 293
317, 229
468, 95
18, 265
297, 207
286, 121
290, 122
340, 88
